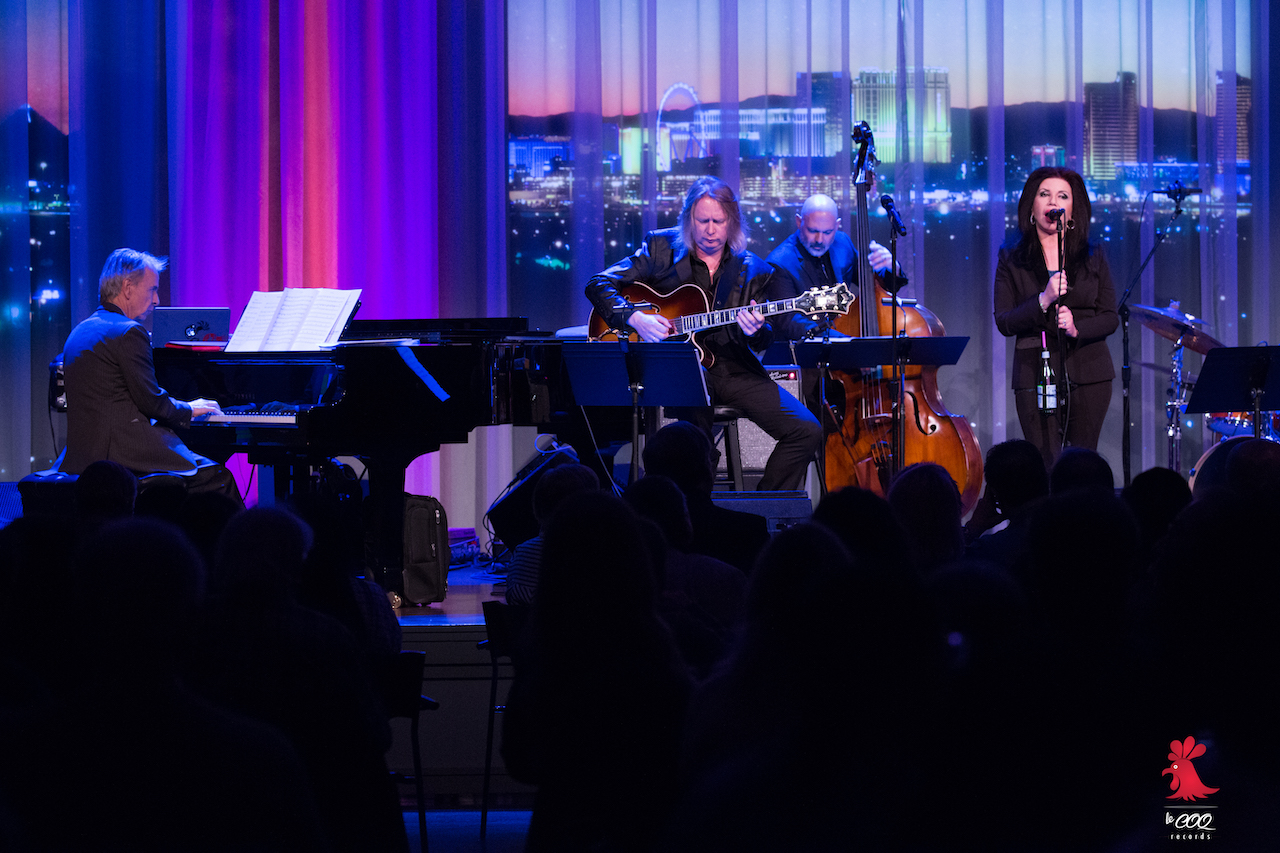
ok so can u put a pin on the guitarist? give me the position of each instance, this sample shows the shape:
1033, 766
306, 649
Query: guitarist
708, 247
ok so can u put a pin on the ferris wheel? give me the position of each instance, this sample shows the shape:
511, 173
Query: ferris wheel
693, 145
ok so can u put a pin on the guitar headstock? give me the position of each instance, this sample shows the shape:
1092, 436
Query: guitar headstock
864, 172
834, 299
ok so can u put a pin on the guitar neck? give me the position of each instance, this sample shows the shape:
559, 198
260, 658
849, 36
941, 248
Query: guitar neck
691, 323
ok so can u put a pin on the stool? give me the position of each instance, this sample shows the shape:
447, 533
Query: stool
48, 493
727, 418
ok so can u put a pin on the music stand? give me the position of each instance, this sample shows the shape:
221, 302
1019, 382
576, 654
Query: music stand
854, 354
1238, 379
635, 374
860, 353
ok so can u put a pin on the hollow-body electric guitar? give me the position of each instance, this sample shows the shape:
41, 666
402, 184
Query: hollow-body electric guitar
687, 309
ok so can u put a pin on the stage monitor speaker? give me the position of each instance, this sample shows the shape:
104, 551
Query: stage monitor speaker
757, 444
779, 509
511, 516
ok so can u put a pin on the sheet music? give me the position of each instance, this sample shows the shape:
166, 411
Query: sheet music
255, 322
295, 319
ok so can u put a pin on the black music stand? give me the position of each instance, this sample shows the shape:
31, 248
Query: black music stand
853, 354
860, 353
635, 375
1238, 379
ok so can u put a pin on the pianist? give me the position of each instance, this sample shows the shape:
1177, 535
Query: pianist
708, 247
115, 409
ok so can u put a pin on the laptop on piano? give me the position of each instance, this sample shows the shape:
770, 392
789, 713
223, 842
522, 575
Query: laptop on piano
190, 326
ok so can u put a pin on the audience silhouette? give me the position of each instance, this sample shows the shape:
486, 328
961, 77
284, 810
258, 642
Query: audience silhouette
663, 700
699, 597
548, 493
595, 710
682, 452
149, 765
262, 653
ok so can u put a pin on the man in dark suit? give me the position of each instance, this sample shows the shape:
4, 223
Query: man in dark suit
818, 253
115, 408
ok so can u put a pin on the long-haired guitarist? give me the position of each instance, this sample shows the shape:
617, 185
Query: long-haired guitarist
708, 248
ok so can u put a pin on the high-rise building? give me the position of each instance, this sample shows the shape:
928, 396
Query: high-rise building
534, 154
1243, 117
824, 88
1048, 155
875, 101
1110, 125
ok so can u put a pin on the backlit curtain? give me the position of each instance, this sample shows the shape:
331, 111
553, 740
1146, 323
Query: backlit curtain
296, 143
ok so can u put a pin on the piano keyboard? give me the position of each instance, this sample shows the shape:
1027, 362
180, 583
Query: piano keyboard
254, 418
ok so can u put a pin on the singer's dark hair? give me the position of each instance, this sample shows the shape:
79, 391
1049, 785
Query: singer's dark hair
1075, 240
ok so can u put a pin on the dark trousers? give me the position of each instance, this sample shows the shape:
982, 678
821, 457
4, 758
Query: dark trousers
1075, 424
782, 416
211, 477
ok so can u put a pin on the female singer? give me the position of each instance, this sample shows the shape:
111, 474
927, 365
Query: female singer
1069, 298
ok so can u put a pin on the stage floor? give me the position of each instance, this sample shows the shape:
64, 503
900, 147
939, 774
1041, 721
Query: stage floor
469, 587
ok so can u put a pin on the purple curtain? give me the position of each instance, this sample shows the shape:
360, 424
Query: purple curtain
303, 151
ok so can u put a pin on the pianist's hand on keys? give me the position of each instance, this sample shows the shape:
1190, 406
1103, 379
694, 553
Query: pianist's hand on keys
201, 409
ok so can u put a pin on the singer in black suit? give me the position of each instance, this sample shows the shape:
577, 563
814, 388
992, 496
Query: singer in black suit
1073, 305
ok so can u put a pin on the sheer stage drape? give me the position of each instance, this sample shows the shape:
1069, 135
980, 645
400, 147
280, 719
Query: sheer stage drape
968, 98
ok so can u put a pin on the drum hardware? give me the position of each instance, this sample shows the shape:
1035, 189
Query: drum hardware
1187, 332
1238, 384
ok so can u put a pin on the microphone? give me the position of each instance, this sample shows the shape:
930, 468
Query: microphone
1055, 214
1178, 192
895, 221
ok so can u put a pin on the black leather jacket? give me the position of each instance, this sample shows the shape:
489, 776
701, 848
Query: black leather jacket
743, 277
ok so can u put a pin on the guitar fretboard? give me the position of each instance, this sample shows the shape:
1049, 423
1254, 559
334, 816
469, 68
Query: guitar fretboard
697, 322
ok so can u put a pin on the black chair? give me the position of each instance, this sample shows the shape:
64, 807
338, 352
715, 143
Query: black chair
402, 693
726, 417
501, 625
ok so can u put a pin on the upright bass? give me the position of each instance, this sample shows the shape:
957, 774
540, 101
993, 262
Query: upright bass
861, 450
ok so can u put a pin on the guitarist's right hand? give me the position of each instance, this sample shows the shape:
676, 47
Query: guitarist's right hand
650, 327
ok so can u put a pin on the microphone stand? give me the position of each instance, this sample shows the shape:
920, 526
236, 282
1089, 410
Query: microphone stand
1064, 402
635, 382
1126, 370
899, 439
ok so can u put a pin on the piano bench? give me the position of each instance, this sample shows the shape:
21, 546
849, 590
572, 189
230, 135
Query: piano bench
51, 494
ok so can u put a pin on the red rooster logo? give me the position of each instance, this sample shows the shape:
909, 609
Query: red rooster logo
1186, 784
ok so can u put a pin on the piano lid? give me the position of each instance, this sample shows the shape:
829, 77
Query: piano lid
436, 330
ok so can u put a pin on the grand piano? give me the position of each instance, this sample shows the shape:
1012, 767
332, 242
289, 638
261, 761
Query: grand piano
407, 388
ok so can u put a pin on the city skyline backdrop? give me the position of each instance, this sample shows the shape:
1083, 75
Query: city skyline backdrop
609, 119
1037, 48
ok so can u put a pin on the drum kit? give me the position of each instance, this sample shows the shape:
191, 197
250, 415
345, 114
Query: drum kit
1190, 333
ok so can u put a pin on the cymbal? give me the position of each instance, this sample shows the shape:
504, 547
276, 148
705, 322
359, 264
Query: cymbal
1181, 328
